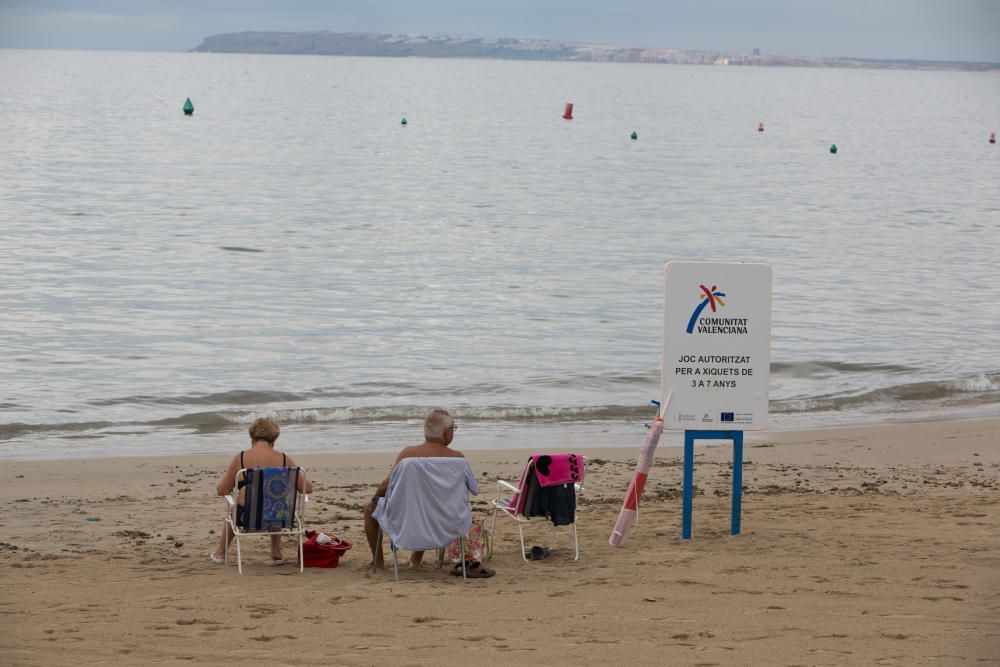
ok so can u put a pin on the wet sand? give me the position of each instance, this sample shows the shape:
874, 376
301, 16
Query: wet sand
872, 545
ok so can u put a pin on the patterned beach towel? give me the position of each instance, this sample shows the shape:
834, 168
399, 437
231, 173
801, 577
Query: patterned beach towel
478, 544
278, 496
270, 499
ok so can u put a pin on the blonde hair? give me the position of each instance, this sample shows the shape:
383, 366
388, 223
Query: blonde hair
437, 422
264, 428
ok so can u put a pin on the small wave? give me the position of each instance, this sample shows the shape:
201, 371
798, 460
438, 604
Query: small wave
19, 429
234, 397
231, 409
817, 369
236, 248
644, 377
976, 384
977, 390
364, 415
210, 422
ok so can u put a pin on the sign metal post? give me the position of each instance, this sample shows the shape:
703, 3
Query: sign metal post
737, 494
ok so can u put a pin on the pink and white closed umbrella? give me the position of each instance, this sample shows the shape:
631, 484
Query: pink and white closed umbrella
630, 508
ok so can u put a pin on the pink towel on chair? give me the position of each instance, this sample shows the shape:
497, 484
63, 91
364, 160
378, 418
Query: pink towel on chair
517, 500
553, 469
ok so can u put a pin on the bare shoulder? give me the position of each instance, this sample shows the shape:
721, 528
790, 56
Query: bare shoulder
408, 453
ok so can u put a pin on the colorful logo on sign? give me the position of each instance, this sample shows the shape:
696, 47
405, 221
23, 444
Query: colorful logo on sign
708, 297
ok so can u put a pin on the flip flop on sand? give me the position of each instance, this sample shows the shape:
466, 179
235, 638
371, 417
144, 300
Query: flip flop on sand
215, 559
278, 561
474, 570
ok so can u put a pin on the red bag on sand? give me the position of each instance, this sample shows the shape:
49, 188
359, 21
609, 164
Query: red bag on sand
322, 550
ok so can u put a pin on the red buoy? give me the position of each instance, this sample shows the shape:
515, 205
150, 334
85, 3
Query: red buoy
760, 127
568, 112
993, 137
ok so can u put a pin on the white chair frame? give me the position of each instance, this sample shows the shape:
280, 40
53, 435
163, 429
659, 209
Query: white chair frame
500, 504
297, 530
394, 549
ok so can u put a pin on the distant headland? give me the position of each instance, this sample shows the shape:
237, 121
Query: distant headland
444, 46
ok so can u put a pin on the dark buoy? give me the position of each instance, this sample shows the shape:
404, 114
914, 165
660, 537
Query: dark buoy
833, 148
568, 111
403, 122
634, 135
188, 107
993, 137
760, 127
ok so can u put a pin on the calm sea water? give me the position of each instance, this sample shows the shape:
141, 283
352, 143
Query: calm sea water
293, 249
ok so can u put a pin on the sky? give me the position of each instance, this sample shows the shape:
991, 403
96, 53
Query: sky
966, 30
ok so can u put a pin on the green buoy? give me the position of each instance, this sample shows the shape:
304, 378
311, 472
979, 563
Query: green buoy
634, 135
833, 148
403, 122
188, 107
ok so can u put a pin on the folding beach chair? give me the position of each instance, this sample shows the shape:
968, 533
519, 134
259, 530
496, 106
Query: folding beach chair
272, 506
550, 486
426, 507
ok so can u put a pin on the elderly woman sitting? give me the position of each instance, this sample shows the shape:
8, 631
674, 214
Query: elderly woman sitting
263, 434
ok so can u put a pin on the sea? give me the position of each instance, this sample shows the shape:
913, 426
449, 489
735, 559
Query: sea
293, 249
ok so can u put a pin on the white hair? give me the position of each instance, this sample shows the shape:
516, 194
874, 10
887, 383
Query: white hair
437, 422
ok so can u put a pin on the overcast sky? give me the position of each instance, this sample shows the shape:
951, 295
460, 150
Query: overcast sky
922, 29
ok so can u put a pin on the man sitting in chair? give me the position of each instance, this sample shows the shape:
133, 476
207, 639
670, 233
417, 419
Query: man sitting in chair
439, 431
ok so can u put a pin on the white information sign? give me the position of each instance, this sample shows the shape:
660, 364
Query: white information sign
716, 345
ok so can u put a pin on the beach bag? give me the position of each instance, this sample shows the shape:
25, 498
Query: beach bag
322, 550
478, 544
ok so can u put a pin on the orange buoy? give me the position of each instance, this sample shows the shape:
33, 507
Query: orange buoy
568, 111
760, 127
993, 137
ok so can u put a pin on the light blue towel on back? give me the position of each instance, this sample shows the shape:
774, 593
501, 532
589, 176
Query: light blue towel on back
427, 503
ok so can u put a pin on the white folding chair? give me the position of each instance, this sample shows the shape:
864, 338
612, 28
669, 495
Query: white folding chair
254, 523
510, 502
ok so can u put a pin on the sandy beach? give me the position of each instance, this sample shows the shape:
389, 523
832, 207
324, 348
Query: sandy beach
869, 545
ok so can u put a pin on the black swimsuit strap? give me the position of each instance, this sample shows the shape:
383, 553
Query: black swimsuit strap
240, 483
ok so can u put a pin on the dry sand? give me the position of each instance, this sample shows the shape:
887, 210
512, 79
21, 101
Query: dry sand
876, 545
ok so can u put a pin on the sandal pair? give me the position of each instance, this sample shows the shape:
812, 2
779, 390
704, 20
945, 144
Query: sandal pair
473, 570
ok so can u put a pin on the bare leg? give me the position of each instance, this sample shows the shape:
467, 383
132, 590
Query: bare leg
416, 558
225, 537
276, 547
371, 532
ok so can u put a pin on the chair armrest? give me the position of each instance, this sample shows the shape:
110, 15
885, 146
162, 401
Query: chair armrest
507, 485
229, 500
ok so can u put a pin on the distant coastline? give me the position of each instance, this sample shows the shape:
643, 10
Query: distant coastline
444, 46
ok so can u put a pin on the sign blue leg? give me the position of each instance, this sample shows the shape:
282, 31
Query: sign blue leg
688, 483
734, 523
